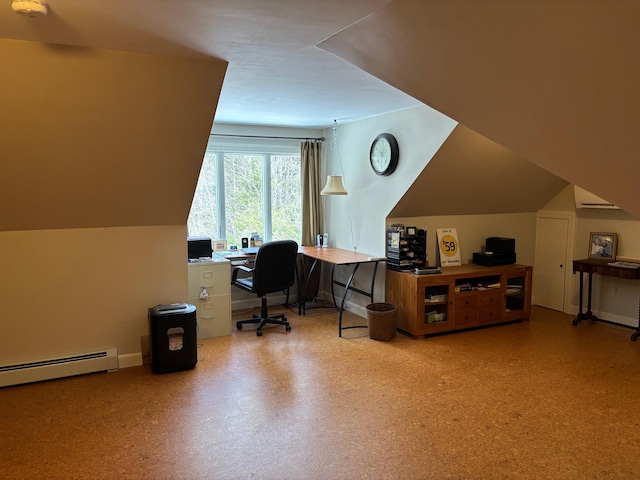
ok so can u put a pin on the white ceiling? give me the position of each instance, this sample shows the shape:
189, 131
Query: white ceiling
276, 74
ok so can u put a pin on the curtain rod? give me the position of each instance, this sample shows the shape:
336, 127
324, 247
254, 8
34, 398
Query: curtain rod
319, 139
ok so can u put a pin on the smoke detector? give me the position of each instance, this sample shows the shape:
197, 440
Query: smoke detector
30, 8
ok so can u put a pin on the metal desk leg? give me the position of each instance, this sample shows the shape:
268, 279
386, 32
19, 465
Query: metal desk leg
373, 280
344, 299
333, 292
306, 286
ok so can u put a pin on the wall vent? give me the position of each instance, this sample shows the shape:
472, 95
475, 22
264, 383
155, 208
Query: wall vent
585, 199
106, 360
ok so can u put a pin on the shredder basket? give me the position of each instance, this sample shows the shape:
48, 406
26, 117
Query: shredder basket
382, 321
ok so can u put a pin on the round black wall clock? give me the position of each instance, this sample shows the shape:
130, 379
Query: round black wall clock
384, 154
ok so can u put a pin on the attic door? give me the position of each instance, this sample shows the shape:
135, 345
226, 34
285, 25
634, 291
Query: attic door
551, 263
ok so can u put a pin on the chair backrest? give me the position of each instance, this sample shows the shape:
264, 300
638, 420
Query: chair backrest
275, 266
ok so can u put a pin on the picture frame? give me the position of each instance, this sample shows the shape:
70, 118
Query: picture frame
411, 231
603, 245
219, 245
395, 240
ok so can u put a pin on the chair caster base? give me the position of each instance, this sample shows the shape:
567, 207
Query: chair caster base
262, 322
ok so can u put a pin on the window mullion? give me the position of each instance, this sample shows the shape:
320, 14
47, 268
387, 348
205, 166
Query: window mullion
220, 203
266, 197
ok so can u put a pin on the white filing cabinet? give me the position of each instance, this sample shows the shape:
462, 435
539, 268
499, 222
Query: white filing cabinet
210, 292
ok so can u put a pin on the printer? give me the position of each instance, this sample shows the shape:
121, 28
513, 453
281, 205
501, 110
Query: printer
199, 247
497, 251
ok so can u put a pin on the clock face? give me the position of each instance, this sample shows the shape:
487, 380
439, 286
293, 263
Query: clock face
384, 154
381, 155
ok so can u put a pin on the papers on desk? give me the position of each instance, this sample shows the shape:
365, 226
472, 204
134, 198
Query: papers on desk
624, 264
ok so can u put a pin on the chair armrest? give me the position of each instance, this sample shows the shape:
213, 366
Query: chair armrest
234, 276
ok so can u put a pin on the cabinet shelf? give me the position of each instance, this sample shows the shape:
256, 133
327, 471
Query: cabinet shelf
435, 302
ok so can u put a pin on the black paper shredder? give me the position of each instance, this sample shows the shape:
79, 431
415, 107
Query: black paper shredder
173, 334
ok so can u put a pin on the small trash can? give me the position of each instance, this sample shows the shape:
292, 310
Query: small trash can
382, 321
173, 337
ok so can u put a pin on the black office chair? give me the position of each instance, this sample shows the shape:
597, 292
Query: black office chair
274, 270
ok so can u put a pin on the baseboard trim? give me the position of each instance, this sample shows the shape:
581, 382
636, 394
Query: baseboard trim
631, 322
352, 307
130, 360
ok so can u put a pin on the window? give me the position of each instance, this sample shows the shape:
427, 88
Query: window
241, 193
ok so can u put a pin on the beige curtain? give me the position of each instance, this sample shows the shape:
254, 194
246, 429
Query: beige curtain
310, 153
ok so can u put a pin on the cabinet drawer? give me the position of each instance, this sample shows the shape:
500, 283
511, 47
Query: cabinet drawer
489, 307
465, 309
465, 300
465, 317
214, 316
489, 301
215, 277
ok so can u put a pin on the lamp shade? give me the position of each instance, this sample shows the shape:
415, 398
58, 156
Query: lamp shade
334, 186
30, 8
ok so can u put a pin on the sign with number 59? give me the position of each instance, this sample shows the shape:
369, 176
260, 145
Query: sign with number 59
448, 247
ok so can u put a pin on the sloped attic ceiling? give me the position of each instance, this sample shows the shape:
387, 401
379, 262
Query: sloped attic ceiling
472, 175
101, 138
556, 82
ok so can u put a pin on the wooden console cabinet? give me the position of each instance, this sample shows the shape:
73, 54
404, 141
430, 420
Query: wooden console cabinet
460, 297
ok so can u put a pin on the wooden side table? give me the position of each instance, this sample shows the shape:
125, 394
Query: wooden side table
605, 268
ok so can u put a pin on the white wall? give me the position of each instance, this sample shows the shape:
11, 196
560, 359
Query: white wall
73, 291
358, 221
420, 132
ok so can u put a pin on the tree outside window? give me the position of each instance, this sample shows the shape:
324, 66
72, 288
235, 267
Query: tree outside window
248, 193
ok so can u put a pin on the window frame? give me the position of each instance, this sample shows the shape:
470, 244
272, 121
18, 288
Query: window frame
265, 147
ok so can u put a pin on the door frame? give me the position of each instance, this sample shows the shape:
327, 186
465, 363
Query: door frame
571, 233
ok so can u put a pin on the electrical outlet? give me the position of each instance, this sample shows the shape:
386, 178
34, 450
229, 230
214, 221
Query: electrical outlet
615, 289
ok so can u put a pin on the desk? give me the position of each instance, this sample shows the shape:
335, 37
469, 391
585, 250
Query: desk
602, 267
237, 258
338, 256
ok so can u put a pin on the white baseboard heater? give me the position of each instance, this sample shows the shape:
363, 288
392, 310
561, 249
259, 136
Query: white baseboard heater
106, 360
